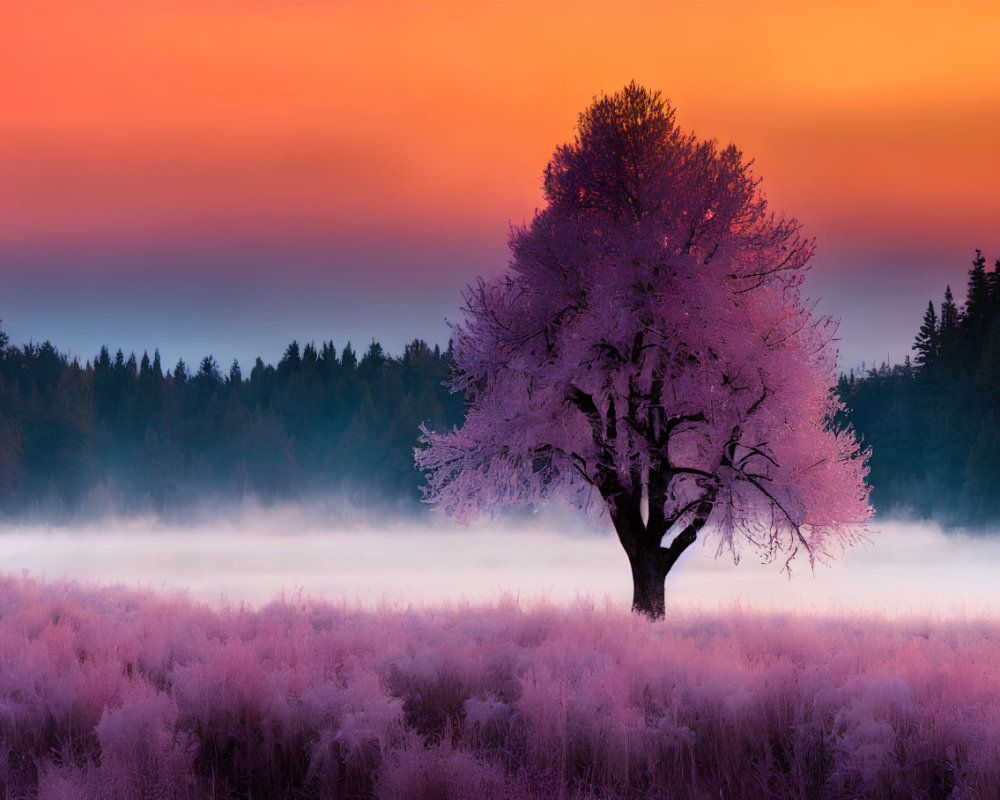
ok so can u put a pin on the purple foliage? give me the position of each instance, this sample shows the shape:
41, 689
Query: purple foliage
649, 354
112, 692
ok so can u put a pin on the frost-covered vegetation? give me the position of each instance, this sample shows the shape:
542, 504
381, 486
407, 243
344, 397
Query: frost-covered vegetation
649, 354
114, 692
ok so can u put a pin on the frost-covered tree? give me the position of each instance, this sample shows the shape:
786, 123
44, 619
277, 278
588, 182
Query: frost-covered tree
648, 354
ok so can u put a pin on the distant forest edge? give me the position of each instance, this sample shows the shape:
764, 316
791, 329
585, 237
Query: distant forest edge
933, 423
121, 435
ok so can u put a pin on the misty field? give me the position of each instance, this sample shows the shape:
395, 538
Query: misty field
123, 693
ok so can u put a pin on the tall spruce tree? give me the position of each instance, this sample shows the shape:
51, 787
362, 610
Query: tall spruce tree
977, 301
993, 280
928, 342
949, 319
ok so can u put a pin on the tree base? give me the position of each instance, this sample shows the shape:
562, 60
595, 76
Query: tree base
648, 591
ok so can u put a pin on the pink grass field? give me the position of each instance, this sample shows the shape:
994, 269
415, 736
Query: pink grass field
108, 692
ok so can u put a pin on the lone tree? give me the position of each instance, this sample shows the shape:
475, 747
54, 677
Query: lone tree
648, 354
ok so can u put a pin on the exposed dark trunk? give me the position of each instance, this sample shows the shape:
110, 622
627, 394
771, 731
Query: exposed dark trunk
649, 559
648, 575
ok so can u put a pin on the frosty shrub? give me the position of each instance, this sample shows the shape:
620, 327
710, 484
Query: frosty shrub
118, 693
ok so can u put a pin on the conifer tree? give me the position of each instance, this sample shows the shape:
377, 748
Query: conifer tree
993, 279
928, 342
103, 360
949, 319
348, 358
208, 372
291, 360
309, 355
977, 302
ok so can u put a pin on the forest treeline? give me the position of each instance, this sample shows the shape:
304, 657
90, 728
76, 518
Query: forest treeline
933, 423
123, 435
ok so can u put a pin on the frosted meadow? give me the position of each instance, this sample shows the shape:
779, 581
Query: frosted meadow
217, 661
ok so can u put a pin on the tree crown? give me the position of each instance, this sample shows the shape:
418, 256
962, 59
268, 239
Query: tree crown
649, 346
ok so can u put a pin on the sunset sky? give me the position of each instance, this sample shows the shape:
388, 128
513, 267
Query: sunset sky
222, 177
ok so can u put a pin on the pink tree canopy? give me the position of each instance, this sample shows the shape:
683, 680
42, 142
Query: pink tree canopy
648, 354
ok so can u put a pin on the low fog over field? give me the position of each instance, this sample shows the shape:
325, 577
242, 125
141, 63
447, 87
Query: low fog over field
906, 567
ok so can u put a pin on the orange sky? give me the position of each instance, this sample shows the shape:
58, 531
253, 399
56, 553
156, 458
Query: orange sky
395, 139
165, 118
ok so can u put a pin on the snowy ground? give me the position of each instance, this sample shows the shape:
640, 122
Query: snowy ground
907, 568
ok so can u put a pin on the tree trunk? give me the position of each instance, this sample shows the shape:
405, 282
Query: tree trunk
649, 572
649, 559
642, 540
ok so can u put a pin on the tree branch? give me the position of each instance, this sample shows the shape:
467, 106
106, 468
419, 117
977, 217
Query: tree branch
689, 535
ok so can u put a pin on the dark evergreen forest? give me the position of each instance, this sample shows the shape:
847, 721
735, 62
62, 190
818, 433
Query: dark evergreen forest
121, 435
933, 424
